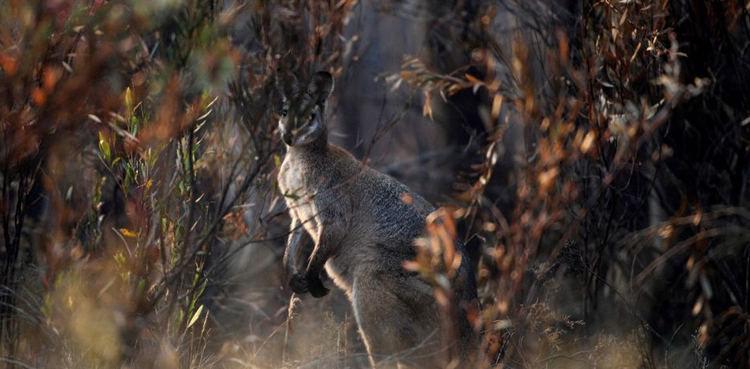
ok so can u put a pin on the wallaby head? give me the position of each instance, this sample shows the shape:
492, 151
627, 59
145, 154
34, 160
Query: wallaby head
303, 113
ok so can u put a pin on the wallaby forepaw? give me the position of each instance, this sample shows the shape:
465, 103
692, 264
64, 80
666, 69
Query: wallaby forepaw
316, 288
298, 284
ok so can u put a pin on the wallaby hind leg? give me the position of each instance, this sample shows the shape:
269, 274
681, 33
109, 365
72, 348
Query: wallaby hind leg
398, 319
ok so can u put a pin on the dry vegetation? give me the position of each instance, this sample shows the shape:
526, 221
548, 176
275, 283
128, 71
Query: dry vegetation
601, 183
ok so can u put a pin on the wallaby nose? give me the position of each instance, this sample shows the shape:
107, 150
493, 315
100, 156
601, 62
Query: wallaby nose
287, 138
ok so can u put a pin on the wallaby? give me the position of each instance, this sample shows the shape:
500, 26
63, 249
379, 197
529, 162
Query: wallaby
364, 224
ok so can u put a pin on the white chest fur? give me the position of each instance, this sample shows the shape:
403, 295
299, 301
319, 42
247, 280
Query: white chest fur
298, 194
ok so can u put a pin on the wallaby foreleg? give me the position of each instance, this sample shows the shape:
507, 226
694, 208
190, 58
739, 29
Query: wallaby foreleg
328, 241
298, 239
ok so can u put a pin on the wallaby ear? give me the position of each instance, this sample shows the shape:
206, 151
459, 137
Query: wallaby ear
320, 87
278, 86
287, 86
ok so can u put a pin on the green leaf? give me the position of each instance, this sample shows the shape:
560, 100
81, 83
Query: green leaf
129, 100
195, 316
134, 123
104, 148
179, 317
291, 196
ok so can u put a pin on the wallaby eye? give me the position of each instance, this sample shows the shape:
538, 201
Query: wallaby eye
284, 112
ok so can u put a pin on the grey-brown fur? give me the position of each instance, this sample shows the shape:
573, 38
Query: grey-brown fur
364, 223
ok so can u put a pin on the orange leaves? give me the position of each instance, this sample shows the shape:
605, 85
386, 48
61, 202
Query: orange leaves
441, 226
588, 141
50, 76
547, 179
38, 96
407, 199
427, 107
128, 233
9, 64
437, 256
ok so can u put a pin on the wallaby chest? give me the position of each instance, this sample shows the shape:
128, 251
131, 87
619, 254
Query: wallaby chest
306, 182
